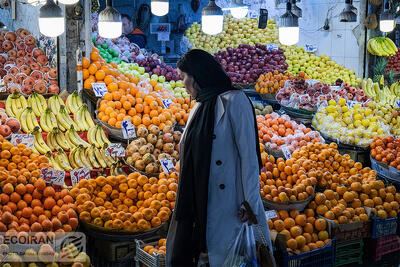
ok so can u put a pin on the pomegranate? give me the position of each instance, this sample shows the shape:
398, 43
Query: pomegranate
9, 78
25, 69
53, 73
36, 74
53, 89
26, 89
40, 87
10, 36
37, 52
30, 40
3, 117
19, 61
19, 78
7, 45
42, 60
5, 130
14, 88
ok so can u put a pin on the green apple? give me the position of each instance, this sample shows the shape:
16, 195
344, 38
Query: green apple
141, 70
154, 77
161, 79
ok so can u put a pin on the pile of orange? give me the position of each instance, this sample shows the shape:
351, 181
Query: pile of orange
350, 187
386, 150
160, 248
303, 231
284, 181
181, 109
19, 165
272, 82
36, 208
133, 203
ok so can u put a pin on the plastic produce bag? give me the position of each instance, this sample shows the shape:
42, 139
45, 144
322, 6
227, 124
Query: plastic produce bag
243, 252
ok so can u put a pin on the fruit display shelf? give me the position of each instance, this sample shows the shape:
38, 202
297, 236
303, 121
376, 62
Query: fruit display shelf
299, 205
385, 171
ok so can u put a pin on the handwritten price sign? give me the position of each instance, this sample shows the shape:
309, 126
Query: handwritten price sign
167, 102
26, 139
286, 152
128, 130
272, 47
310, 48
397, 103
270, 214
52, 176
167, 165
115, 150
99, 89
80, 174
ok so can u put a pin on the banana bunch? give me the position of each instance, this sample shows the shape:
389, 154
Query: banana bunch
15, 104
73, 103
381, 46
39, 143
54, 103
74, 139
64, 120
28, 120
48, 120
97, 137
56, 140
77, 158
62, 160
53, 162
98, 158
37, 103
83, 119
385, 95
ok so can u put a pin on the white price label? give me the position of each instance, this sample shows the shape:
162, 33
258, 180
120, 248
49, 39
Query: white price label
270, 214
167, 102
79, 174
3, 87
99, 89
52, 176
167, 165
128, 130
351, 103
286, 152
163, 36
272, 47
115, 150
397, 104
311, 48
26, 139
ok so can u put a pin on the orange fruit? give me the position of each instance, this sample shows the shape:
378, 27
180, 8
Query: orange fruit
92, 69
85, 62
100, 74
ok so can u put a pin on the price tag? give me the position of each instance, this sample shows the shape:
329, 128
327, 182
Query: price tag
3, 87
286, 152
99, 89
397, 104
163, 36
167, 165
53, 176
167, 102
270, 214
80, 174
351, 103
26, 139
311, 48
115, 150
272, 47
128, 130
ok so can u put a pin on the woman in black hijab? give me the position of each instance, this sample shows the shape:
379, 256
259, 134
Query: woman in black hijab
219, 165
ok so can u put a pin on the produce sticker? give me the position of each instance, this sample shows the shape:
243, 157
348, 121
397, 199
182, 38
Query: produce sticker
26, 139
115, 150
167, 165
167, 102
79, 174
128, 130
52, 176
99, 89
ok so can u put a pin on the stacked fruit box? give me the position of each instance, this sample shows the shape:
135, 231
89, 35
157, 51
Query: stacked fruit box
349, 252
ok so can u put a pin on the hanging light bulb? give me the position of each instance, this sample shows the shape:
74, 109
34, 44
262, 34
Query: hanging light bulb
68, 2
212, 19
159, 7
288, 27
51, 19
238, 9
110, 23
386, 23
349, 13
295, 9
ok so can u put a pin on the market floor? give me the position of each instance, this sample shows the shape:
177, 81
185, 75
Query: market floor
390, 260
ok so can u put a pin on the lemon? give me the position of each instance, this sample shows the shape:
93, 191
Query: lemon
365, 122
350, 126
357, 123
380, 131
332, 102
342, 101
331, 109
319, 128
357, 106
367, 112
367, 134
345, 109
357, 117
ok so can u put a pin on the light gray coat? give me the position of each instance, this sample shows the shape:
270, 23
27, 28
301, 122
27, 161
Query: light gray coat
234, 179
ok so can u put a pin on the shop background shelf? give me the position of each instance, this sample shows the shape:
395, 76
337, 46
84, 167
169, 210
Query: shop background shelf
381, 228
322, 257
349, 252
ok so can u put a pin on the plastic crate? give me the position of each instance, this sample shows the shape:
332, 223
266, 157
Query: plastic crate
145, 258
382, 246
340, 234
322, 257
381, 228
349, 252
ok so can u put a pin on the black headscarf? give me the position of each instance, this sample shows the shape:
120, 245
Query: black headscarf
195, 166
